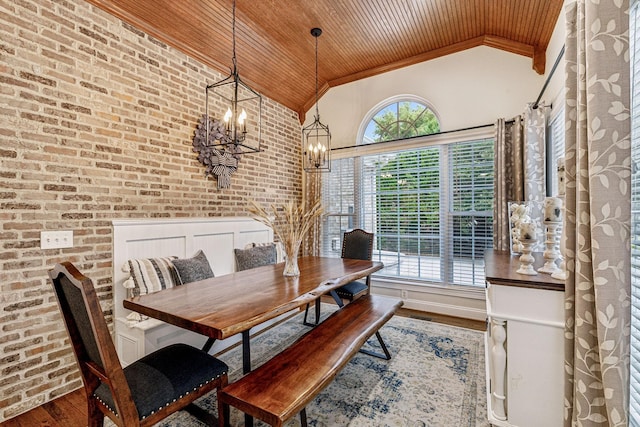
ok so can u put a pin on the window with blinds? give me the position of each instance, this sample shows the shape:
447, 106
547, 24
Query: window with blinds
431, 209
556, 151
470, 214
634, 41
339, 198
401, 203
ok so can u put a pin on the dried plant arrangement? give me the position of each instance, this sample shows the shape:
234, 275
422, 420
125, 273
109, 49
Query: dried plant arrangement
290, 222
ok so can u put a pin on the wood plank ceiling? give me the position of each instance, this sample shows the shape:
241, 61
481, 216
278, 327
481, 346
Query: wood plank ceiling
361, 38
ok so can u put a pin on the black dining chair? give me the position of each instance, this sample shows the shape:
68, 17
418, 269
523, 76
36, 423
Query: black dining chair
146, 391
356, 244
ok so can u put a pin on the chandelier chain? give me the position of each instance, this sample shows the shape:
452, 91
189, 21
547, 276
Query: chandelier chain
317, 112
233, 34
316, 139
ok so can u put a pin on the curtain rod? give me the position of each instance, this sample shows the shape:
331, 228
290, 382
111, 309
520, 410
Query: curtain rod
419, 136
553, 70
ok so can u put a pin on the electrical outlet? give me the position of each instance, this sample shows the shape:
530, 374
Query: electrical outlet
56, 239
404, 294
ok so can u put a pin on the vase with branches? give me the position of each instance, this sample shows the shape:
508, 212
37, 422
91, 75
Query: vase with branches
290, 223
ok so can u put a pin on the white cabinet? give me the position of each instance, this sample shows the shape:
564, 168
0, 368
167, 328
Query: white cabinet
524, 344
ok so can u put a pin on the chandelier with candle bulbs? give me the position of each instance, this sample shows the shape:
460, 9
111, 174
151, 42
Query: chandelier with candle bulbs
241, 123
316, 138
222, 139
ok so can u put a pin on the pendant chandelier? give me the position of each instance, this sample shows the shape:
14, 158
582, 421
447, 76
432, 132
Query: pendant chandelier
316, 138
237, 129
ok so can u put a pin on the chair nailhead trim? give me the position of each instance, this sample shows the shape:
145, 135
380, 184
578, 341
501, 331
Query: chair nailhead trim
168, 403
106, 405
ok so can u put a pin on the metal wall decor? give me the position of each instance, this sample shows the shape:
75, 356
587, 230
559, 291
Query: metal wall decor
316, 138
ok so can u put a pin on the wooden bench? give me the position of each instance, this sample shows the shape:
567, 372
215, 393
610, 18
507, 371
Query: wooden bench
284, 385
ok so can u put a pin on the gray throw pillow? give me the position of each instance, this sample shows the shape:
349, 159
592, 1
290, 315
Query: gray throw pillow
193, 269
255, 257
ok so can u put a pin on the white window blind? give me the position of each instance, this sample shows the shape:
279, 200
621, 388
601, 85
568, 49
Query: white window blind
471, 210
556, 135
339, 196
634, 37
401, 203
430, 209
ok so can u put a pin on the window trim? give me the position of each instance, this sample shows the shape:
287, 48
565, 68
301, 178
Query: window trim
440, 140
470, 134
364, 148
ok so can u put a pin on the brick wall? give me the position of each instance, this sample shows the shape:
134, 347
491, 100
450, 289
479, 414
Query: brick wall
96, 123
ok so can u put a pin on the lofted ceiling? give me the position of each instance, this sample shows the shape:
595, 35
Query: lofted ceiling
361, 38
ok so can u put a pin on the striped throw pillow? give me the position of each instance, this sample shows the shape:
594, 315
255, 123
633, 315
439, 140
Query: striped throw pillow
149, 275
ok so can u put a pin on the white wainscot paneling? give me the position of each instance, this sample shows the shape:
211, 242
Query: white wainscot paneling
453, 301
217, 237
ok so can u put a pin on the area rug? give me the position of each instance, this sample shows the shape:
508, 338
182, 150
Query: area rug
435, 378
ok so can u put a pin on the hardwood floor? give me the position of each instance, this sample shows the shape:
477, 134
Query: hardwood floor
70, 410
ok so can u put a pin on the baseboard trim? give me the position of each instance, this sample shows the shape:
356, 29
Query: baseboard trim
446, 309
449, 301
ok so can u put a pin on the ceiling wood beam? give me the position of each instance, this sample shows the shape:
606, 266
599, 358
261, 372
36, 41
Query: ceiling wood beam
508, 45
311, 102
520, 49
539, 60
426, 56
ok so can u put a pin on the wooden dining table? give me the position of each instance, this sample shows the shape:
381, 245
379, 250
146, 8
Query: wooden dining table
223, 306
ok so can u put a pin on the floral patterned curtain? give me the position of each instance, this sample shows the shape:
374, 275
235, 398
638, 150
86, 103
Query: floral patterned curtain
597, 220
509, 177
535, 130
519, 167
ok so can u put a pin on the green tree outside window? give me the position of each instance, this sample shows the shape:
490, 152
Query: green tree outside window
402, 120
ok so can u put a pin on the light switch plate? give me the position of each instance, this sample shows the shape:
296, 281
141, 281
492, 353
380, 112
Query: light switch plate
56, 239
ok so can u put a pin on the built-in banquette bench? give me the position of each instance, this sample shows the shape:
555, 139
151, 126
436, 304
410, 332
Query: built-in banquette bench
217, 237
284, 385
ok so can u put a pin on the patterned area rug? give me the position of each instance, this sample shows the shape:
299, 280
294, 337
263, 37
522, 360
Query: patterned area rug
435, 378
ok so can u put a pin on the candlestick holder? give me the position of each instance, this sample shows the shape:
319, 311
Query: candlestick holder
551, 252
518, 212
526, 259
561, 273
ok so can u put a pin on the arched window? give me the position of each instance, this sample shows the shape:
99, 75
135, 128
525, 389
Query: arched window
400, 120
426, 195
